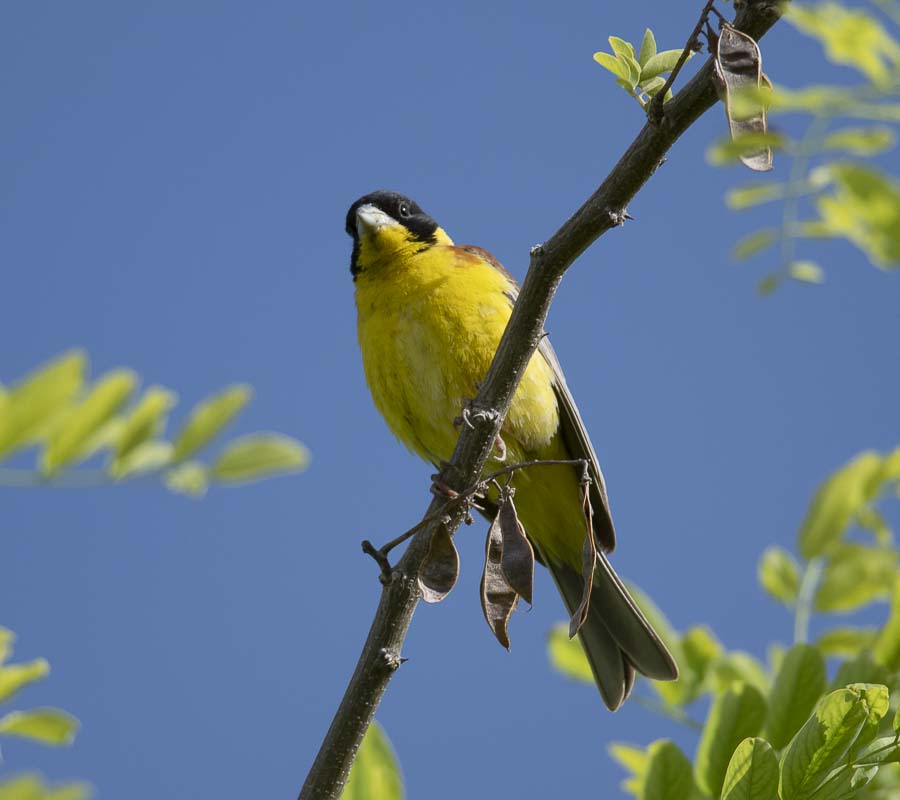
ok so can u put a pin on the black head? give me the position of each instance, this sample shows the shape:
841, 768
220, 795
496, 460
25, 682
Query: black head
398, 207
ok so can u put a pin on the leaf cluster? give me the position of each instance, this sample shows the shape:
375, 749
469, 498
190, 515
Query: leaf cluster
70, 419
830, 193
639, 72
784, 729
50, 726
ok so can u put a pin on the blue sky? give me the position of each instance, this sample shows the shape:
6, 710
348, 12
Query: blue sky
174, 184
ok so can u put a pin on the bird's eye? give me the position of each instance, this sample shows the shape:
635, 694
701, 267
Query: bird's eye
404, 211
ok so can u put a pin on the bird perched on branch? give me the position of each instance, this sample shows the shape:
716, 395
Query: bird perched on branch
430, 317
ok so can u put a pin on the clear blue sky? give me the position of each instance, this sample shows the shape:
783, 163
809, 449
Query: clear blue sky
174, 183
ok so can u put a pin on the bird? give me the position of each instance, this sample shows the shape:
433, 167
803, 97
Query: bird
430, 315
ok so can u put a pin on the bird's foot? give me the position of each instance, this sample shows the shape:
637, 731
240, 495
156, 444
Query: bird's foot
471, 414
441, 489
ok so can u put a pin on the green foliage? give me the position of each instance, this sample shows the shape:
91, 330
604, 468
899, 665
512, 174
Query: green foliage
70, 420
33, 787
47, 725
827, 195
839, 501
736, 713
799, 684
641, 74
667, 774
779, 574
255, 457
50, 726
785, 731
851, 37
752, 772
375, 774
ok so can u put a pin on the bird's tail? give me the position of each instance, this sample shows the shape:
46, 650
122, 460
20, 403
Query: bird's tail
616, 636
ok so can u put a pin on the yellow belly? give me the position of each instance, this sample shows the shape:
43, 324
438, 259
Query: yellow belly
428, 328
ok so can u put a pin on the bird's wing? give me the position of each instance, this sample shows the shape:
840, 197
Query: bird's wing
578, 444
575, 435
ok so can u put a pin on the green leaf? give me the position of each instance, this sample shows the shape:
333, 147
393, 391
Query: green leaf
849, 36
779, 574
620, 47
625, 55
648, 47
833, 101
32, 787
821, 743
700, 649
668, 773
672, 692
729, 151
753, 195
890, 467
375, 774
735, 714
146, 420
862, 668
884, 750
258, 456
15, 676
752, 772
846, 642
658, 621
806, 272
836, 503
871, 520
660, 64
147, 457
741, 667
7, 638
47, 725
190, 478
208, 418
861, 141
753, 243
856, 575
699, 653
844, 782
887, 646
618, 68
652, 86
69, 440
878, 700
864, 208
34, 403
799, 684
567, 655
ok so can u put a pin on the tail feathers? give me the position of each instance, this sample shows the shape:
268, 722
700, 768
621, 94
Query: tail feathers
616, 636
628, 625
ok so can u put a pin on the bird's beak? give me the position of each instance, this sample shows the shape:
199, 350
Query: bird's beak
370, 219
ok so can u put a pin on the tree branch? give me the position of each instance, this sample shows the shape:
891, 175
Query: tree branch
603, 210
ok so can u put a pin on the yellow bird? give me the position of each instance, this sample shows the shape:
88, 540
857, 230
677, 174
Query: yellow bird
430, 317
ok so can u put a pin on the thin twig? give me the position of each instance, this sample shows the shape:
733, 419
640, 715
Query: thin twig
465, 497
654, 110
602, 211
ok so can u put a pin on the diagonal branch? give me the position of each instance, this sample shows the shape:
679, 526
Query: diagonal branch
603, 210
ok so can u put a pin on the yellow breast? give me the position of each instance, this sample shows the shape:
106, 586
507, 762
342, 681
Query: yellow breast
429, 323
